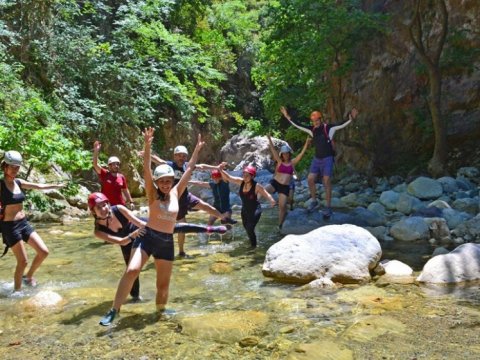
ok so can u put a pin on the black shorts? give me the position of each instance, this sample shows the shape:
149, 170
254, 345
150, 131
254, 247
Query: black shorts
186, 204
14, 231
156, 243
280, 188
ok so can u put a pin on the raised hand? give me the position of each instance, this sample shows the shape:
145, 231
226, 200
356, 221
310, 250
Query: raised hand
353, 113
97, 145
200, 143
148, 135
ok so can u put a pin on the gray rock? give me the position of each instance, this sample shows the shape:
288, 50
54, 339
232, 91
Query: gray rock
464, 184
460, 265
466, 205
440, 251
377, 208
407, 203
439, 230
401, 188
389, 199
351, 200
341, 253
380, 232
425, 188
410, 229
337, 203
439, 204
469, 230
449, 184
365, 217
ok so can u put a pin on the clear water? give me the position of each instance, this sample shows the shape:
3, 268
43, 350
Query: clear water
221, 307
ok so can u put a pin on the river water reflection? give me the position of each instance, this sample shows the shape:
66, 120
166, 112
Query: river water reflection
221, 307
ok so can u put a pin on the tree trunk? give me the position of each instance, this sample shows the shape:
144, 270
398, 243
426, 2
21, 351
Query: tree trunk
437, 163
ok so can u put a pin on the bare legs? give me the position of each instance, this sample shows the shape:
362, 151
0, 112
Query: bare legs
36, 242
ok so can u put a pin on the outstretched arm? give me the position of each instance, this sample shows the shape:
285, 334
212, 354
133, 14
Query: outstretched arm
299, 156
259, 189
273, 151
304, 128
229, 178
199, 183
182, 184
351, 116
96, 149
147, 170
29, 185
131, 217
208, 167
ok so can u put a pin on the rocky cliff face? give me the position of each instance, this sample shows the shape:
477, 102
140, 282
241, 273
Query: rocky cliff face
388, 85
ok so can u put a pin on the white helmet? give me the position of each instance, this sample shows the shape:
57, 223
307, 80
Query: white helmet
285, 149
180, 149
162, 171
113, 159
12, 157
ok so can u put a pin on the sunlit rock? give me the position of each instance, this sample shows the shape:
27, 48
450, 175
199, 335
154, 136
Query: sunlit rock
368, 328
321, 350
341, 253
397, 268
225, 326
460, 265
45, 299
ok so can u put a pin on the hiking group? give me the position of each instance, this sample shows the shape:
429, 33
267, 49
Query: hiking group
169, 202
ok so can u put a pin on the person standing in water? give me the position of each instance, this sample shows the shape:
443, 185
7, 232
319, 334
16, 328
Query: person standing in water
221, 195
282, 179
249, 192
323, 161
16, 230
163, 203
119, 226
188, 201
114, 184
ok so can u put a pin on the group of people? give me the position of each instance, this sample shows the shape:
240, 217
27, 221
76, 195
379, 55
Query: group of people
168, 202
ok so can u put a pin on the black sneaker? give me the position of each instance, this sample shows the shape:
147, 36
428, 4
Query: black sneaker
107, 319
229, 220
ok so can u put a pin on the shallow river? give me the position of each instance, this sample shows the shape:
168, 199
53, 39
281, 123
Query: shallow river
221, 307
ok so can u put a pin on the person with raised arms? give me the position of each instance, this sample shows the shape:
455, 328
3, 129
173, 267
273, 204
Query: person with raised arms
283, 176
249, 192
163, 204
322, 134
117, 225
113, 183
188, 201
16, 230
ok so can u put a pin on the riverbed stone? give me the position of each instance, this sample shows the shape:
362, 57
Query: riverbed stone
364, 217
449, 184
406, 203
460, 265
467, 205
389, 199
469, 172
45, 299
343, 253
455, 218
464, 184
350, 200
397, 268
439, 204
425, 188
410, 229
321, 350
377, 208
438, 230
440, 251
225, 326
469, 230
366, 329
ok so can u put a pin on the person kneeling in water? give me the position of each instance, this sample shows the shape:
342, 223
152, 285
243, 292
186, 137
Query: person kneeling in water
162, 197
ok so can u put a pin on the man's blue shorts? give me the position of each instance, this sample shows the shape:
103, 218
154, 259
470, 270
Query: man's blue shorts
323, 166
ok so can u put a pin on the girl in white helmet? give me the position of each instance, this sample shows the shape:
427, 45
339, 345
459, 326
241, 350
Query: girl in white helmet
15, 228
284, 171
162, 197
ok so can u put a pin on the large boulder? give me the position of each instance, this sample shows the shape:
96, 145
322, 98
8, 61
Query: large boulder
242, 150
406, 204
341, 253
410, 229
425, 188
460, 265
449, 184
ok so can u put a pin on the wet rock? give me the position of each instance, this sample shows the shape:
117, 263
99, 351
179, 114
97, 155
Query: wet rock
370, 327
321, 350
225, 326
425, 188
372, 297
249, 341
460, 265
410, 229
449, 184
221, 268
286, 330
341, 253
389, 199
380, 232
467, 205
397, 268
320, 284
44, 299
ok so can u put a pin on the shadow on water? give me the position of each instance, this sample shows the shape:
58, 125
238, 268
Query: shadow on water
136, 322
93, 311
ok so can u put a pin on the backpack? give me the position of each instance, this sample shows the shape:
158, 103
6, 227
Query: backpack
332, 143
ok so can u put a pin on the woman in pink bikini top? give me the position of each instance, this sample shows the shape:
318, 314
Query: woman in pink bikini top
283, 176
